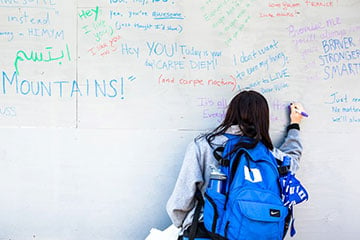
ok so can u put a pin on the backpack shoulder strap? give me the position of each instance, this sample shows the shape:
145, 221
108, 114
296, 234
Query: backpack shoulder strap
195, 221
218, 154
232, 145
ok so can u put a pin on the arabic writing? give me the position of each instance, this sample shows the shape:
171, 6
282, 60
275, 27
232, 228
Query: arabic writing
36, 56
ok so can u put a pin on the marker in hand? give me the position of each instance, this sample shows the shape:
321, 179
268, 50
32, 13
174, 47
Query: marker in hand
304, 114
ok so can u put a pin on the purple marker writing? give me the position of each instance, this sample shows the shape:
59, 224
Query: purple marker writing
301, 112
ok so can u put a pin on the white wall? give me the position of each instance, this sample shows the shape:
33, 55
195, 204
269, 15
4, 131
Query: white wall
99, 100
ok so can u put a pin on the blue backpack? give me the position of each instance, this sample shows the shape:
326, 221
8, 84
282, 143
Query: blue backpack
250, 206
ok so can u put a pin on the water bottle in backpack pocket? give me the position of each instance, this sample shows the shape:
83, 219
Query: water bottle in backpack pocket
217, 180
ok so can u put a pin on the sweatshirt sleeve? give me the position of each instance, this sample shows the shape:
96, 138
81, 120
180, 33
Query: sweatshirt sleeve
291, 146
182, 199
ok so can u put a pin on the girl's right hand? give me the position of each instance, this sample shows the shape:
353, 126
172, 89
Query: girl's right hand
295, 116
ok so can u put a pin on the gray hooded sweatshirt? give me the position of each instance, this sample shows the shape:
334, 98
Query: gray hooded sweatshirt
195, 172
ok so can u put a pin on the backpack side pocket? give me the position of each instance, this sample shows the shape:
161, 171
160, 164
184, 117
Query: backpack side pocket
213, 210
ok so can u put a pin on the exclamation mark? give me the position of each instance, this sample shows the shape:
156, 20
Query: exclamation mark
122, 87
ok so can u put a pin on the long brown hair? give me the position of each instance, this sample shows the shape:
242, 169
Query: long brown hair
250, 111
